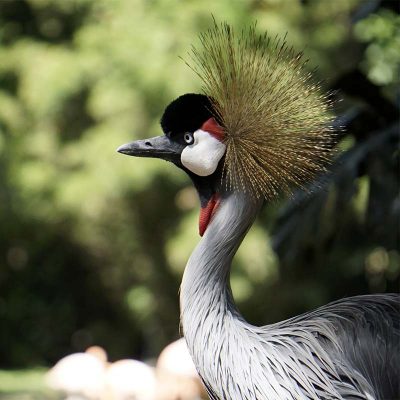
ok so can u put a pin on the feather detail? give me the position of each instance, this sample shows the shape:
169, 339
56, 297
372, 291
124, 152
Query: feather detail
276, 121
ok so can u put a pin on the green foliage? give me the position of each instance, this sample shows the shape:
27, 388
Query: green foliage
381, 31
25, 384
93, 244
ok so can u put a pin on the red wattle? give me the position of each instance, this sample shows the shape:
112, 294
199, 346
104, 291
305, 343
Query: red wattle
207, 212
211, 126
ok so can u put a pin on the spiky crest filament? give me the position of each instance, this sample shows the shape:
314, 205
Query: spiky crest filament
276, 121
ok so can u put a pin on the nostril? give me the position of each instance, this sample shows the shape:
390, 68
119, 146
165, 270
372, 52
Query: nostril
148, 144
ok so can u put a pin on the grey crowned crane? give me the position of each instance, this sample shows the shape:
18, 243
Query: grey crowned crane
262, 128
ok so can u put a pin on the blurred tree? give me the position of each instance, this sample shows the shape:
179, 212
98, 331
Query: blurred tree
93, 245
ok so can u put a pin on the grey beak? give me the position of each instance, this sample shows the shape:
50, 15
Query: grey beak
156, 147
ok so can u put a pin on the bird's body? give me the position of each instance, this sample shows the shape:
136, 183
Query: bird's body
261, 128
130, 380
80, 374
177, 375
176, 360
349, 349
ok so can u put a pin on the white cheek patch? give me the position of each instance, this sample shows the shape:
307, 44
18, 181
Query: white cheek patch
202, 157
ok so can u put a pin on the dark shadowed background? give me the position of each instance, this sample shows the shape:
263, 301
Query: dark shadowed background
93, 244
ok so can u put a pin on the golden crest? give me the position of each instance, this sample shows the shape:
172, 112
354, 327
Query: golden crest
276, 120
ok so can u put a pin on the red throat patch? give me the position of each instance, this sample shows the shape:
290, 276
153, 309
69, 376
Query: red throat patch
207, 212
213, 128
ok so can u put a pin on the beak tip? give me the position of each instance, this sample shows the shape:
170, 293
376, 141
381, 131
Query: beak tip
122, 149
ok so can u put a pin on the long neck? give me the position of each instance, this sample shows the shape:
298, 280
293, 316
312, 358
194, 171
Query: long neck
205, 291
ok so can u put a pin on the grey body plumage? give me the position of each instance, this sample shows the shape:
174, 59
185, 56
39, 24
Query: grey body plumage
349, 349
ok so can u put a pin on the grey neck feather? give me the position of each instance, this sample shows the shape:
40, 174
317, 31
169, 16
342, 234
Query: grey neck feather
205, 282
206, 298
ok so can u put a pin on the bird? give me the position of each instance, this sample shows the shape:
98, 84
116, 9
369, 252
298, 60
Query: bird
80, 375
177, 376
173, 378
89, 376
261, 128
129, 379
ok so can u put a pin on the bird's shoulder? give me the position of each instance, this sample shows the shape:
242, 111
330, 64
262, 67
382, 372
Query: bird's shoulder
360, 333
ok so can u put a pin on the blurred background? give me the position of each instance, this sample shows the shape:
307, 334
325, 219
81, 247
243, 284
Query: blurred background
93, 244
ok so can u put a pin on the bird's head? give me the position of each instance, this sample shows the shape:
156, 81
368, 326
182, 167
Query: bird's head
194, 141
263, 127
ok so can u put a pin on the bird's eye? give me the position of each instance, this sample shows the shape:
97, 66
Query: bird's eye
188, 138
